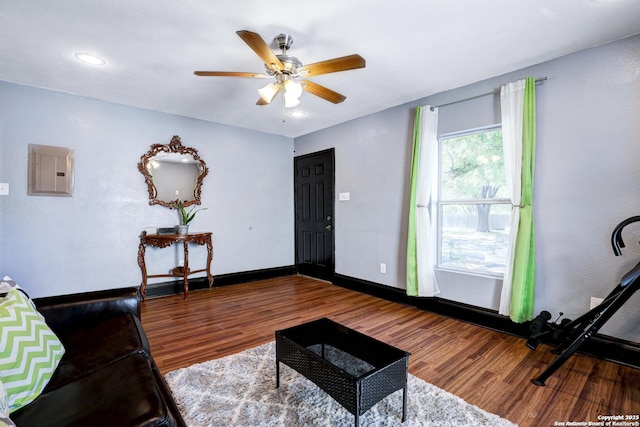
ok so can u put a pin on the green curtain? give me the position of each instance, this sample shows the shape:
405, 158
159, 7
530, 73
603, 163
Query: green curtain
412, 250
524, 269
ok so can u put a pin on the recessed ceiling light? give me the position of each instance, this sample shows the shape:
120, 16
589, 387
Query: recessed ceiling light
88, 58
297, 113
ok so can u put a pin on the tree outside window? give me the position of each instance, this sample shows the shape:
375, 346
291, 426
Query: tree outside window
474, 208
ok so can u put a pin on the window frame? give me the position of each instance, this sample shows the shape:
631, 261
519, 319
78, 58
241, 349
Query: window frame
440, 203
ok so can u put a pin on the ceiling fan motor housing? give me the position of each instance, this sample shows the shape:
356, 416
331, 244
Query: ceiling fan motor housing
284, 42
290, 63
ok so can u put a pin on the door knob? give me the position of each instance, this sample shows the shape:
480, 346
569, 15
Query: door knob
328, 227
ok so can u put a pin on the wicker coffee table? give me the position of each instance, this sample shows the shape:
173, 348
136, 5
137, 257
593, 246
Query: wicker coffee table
356, 370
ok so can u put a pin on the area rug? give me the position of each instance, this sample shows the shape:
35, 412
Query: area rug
240, 391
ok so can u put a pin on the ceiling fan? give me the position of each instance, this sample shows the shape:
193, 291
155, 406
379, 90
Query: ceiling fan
288, 69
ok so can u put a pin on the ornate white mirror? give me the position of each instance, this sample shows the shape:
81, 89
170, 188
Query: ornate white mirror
173, 172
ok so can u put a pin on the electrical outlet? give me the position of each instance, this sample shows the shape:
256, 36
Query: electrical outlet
383, 268
4, 189
595, 302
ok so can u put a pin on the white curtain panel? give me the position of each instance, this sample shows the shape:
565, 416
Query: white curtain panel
425, 229
512, 105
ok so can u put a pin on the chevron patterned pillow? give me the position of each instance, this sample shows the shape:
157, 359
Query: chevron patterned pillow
29, 350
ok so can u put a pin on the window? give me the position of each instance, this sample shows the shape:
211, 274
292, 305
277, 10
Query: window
473, 204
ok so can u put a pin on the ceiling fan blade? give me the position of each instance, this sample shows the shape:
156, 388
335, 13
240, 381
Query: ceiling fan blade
343, 63
230, 74
262, 49
322, 92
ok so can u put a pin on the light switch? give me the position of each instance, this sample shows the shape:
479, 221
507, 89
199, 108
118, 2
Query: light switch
343, 197
4, 189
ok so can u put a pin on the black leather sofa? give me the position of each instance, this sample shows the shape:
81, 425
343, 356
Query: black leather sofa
107, 376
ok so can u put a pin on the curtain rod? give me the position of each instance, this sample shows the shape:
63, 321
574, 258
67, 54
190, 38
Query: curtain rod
540, 80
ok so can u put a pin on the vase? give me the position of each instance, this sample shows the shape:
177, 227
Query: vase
182, 229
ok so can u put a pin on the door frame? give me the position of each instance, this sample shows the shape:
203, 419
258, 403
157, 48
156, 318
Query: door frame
331, 271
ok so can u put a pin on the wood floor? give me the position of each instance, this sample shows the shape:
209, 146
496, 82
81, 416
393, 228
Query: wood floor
488, 369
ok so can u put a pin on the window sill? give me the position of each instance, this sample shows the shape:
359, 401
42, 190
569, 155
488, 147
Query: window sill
470, 273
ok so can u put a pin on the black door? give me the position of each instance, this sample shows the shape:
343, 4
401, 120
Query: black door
314, 194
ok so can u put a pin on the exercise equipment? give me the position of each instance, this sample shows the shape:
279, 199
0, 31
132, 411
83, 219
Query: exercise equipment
571, 334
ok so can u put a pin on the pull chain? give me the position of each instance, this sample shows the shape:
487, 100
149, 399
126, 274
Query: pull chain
283, 107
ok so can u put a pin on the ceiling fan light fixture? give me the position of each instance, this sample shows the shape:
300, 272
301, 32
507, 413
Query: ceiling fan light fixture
292, 88
268, 92
290, 101
292, 93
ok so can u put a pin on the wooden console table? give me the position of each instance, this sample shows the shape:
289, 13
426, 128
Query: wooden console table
164, 240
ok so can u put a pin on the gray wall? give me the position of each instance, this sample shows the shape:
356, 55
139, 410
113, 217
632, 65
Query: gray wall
58, 245
587, 180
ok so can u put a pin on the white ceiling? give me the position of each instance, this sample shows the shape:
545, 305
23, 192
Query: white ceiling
413, 48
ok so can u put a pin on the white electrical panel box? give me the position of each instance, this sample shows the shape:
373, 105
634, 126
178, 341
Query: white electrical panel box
50, 171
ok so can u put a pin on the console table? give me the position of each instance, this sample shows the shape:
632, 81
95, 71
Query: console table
164, 240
